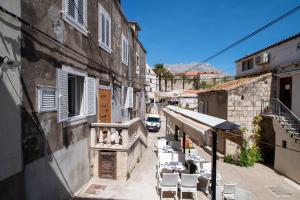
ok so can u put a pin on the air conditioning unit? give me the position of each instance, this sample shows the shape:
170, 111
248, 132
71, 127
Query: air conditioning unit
263, 58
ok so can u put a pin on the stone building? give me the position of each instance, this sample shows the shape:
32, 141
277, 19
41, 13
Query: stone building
267, 83
152, 84
238, 101
64, 65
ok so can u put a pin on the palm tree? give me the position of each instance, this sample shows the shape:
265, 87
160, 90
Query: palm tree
159, 70
168, 76
183, 78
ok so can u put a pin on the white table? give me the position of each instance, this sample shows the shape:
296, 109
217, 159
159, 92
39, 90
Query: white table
176, 166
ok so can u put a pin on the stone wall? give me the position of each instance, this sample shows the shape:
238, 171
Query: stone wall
244, 102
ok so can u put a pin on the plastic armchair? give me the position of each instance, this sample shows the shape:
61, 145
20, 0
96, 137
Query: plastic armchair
188, 183
229, 191
168, 182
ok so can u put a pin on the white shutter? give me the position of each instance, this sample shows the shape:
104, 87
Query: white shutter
62, 87
90, 96
130, 97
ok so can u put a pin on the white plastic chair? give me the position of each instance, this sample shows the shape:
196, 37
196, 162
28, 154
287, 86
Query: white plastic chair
205, 166
164, 157
188, 183
168, 182
178, 157
229, 191
161, 143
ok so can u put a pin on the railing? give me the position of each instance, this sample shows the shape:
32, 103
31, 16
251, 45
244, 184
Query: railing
118, 135
283, 115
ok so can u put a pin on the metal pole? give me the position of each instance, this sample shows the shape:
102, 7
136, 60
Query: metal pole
214, 165
183, 142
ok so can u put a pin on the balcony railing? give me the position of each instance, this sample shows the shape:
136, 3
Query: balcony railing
289, 120
118, 135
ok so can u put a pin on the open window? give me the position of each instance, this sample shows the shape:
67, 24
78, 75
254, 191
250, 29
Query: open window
76, 95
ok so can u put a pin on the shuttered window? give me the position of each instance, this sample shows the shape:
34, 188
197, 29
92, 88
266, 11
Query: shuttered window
129, 98
76, 13
124, 50
46, 99
104, 29
91, 96
76, 95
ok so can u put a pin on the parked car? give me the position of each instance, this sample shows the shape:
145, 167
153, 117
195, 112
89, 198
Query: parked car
153, 123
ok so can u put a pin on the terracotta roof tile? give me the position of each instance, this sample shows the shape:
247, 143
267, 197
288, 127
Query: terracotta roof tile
230, 85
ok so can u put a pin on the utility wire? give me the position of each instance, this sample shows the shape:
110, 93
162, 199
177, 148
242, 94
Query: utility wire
62, 44
249, 36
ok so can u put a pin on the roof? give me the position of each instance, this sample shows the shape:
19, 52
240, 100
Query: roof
271, 46
194, 73
213, 122
230, 85
190, 93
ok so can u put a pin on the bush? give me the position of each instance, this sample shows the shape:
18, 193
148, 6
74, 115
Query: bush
246, 158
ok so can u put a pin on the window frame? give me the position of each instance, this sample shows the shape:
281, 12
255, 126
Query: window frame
246, 64
39, 90
125, 50
85, 100
103, 45
75, 22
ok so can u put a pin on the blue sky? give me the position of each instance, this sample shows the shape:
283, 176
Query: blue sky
185, 31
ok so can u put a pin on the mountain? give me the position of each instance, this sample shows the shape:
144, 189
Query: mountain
196, 66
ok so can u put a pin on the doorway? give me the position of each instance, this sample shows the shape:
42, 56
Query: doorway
286, 91
107, 165
104, 106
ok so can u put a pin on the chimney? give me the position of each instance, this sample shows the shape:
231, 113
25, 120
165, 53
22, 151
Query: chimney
135, 28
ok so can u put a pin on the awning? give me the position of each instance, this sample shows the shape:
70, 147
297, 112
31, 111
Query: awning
210, 121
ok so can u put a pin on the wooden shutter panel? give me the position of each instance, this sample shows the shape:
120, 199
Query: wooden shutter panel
62, 87
90, 96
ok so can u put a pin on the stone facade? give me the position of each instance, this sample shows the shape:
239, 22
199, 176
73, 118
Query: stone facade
244, 103
52, 156
239, 105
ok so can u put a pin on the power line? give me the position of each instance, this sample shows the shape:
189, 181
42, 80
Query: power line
249, 36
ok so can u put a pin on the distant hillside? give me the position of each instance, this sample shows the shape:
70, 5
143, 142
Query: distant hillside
200, 67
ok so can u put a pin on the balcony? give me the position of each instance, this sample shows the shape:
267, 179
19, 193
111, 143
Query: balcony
117, 147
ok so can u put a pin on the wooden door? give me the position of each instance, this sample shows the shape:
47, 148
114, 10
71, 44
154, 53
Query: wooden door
107, 165
104, 106
286, 91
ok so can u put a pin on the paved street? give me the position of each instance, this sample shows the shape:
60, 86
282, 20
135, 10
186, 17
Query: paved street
142, 183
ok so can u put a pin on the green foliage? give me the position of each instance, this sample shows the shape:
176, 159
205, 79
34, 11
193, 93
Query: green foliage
249, 155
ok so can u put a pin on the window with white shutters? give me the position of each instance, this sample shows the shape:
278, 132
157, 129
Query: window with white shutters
76, 95
76, 14
104, 29
62, 87
124, 50
129, 98
91, 96
46, 99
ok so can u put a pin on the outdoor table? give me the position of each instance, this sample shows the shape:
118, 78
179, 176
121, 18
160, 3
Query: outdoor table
166, 149
195, 158
174, 166
207, 175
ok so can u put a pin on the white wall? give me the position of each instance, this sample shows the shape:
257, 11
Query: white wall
151, 81
296, 94
283, 54
10, 105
